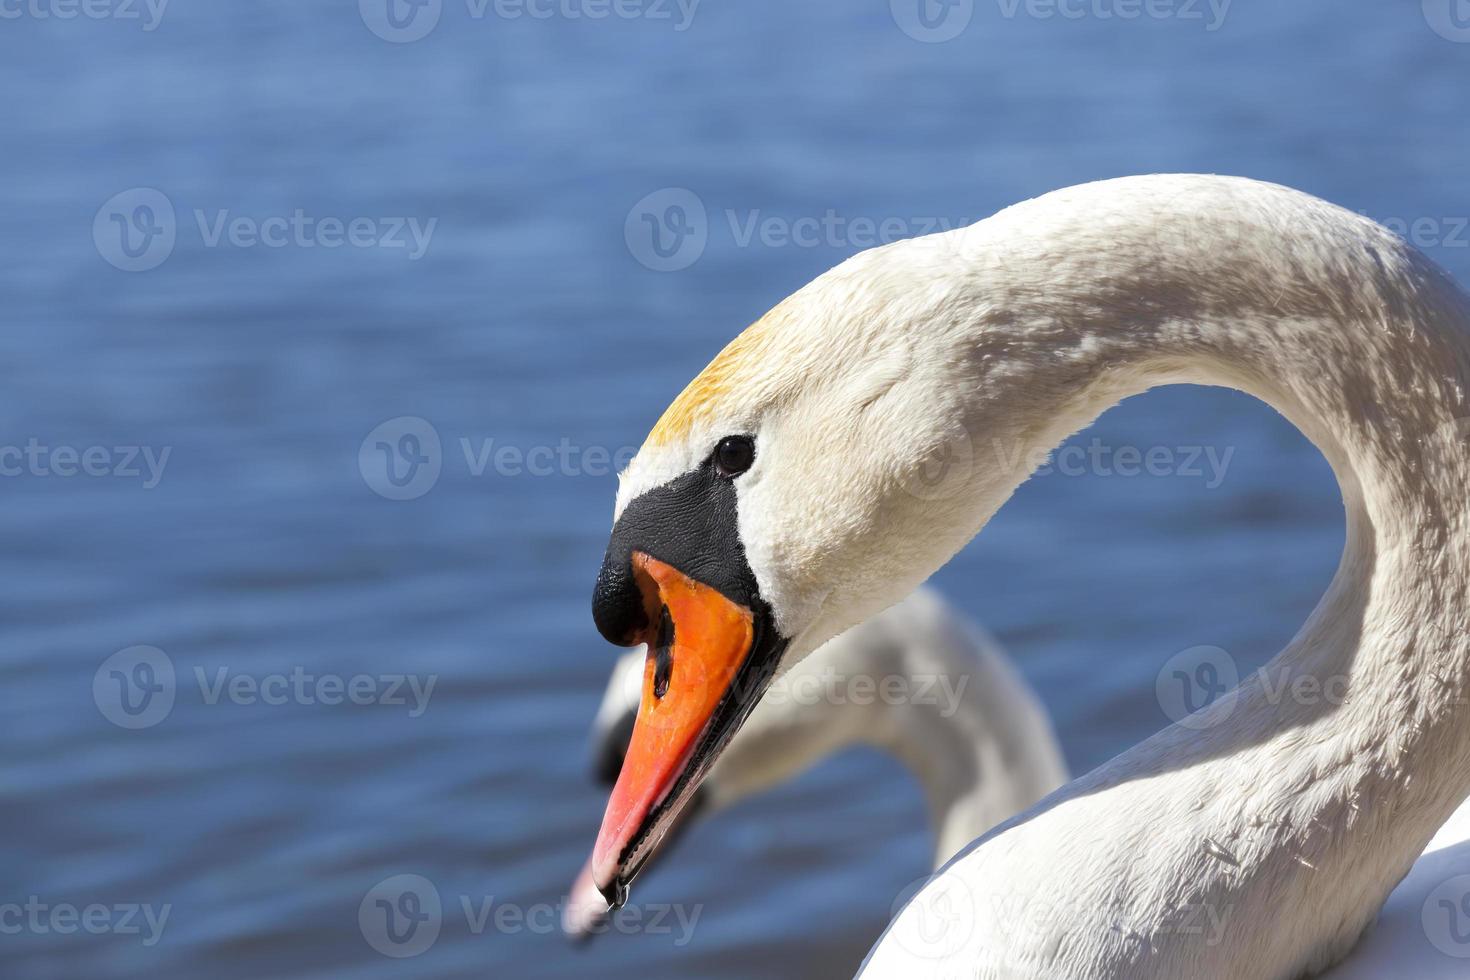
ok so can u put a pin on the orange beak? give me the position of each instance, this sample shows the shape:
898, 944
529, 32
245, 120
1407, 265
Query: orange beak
694, 698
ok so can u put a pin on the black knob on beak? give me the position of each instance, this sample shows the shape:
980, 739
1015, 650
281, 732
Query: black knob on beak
617, 602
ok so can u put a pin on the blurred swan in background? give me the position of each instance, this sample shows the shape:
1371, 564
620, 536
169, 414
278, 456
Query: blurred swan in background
919, 681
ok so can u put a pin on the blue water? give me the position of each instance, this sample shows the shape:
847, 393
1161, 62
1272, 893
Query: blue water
263, 551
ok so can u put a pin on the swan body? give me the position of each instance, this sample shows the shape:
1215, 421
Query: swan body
868, 427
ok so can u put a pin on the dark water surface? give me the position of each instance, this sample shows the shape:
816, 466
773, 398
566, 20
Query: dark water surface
262, 552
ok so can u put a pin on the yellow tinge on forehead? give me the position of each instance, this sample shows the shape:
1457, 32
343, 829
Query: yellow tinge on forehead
702, 398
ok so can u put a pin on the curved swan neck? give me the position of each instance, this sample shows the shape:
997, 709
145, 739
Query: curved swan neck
1343, 328
1339, 325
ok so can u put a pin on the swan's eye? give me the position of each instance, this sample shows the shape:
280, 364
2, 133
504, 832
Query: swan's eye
734, 455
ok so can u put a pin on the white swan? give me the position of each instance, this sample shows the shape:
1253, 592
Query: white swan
847, 445
918, 681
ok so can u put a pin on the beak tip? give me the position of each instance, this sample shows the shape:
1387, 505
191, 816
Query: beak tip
615, 893
605, 877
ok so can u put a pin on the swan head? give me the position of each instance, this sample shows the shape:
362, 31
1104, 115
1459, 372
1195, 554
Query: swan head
816, 472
